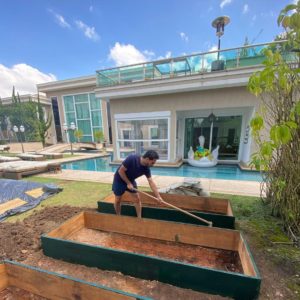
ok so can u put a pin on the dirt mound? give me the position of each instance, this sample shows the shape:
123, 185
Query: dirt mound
19, 239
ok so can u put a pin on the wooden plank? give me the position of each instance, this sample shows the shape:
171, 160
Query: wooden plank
14, 203
166, 214
246, 259
168, 231
58, 287
35, 193
206, 204
69, 227
3, 277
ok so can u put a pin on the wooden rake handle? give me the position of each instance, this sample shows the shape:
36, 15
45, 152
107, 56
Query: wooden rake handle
177, 208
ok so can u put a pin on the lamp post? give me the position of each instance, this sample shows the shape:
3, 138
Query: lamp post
219, 23
20, 129
66, 129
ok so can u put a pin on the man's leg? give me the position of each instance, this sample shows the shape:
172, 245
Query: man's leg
117, 204
138, 204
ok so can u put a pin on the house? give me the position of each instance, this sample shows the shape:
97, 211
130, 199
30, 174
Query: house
167, 104
74, 100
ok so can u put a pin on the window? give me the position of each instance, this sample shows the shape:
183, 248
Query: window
140, 135
85, 111
153, 135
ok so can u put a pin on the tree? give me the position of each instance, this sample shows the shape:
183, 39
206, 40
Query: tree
78, 133
278, 156
44, 122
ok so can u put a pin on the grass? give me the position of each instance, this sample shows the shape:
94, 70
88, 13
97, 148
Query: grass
253, 217
8, 154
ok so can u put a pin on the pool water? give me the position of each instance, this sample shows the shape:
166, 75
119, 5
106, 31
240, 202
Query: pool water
229, 172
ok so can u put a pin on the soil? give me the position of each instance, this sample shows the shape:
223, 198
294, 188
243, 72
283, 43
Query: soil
20, 242
201, 256
13, 293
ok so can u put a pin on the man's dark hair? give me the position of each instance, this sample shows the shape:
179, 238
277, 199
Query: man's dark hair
151, 154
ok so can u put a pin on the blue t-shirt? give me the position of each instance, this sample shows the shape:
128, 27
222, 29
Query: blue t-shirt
134, 169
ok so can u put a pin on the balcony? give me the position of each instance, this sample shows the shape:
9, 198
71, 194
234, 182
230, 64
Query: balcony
185, 66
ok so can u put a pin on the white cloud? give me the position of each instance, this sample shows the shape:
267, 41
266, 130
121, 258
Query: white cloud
88, 31
245, 8
23, 77
60, 20
166, 56
128, 54
183, 36
91, 8
224, 3
149, 53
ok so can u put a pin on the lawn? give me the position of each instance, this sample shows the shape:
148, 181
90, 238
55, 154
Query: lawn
269, 244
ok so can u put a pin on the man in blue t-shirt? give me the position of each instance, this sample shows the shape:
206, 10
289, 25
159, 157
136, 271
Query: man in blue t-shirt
133, 167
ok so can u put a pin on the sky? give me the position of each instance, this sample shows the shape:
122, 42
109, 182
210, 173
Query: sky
48, 40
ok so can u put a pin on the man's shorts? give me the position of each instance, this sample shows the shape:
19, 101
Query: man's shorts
119, 188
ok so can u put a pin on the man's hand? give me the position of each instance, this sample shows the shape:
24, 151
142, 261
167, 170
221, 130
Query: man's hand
130, 187
159, 200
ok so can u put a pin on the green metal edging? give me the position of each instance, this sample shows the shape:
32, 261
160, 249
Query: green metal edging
235, 285
167, 214
134, 296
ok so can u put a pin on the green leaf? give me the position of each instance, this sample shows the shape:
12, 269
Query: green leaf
257, 123
267, 149
291, 124
283, 133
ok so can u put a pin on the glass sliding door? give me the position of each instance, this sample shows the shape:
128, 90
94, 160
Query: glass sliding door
224, 131
228, 137
138, 136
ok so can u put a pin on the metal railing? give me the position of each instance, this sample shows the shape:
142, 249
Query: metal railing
201, 63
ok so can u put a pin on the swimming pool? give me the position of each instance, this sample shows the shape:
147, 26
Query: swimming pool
229, 172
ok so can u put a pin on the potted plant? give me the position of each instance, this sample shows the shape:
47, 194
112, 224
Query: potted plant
78, 133
99, 137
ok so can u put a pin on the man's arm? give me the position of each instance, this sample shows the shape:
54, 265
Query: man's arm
154, 189
122, 173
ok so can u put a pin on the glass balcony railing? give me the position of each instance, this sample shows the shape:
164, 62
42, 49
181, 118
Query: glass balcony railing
190, 65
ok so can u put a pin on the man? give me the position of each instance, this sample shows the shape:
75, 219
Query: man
133, 167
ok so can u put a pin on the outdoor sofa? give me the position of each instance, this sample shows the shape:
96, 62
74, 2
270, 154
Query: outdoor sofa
18, 169
30, 156
8, 158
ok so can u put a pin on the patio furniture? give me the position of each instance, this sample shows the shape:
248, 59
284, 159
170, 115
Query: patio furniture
8, 158
33, 157
18, 169
49, 155
87, 145
4, 148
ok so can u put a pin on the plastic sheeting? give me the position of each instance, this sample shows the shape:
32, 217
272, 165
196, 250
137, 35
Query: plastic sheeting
16, 189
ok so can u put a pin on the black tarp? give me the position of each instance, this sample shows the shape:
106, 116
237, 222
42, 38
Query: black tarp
12, 189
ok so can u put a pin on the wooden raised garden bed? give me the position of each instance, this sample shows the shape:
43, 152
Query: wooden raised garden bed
212, 260
19, 281
215, 210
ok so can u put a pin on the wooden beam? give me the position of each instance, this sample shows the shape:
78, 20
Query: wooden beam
168, 231
59, 287
206, 204
69, 227
246, 259
3, 277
